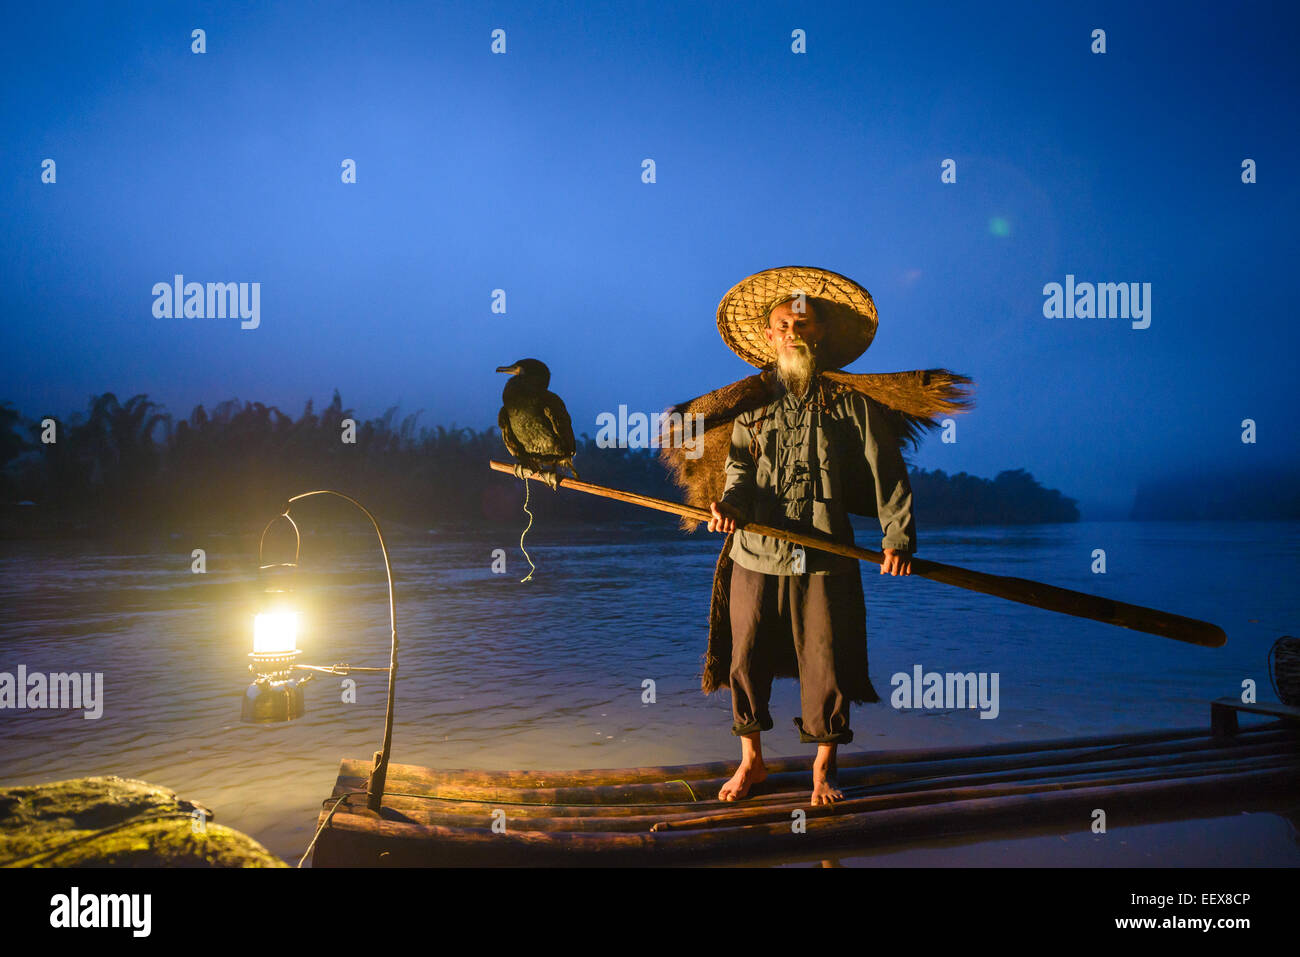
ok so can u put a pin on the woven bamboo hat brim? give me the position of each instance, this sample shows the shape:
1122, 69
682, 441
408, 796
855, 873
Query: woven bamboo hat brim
845, 309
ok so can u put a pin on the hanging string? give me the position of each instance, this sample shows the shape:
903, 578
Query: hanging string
531, 567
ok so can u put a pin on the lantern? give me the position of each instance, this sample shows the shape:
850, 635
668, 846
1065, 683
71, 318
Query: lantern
276, 694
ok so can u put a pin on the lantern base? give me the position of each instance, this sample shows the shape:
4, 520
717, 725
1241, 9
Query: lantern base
268, 701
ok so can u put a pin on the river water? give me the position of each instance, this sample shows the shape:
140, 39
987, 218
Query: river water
501, 674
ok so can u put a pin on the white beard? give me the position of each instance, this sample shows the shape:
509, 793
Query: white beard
795, 367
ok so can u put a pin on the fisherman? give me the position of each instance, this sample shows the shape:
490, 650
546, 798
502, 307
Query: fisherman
789, 465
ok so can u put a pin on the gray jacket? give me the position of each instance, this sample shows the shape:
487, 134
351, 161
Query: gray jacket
804, 475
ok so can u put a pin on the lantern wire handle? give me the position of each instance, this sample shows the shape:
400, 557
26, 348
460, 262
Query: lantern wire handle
297, 547
379, 773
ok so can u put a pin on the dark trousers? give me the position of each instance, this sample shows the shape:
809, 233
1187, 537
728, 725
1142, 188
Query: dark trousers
805, 610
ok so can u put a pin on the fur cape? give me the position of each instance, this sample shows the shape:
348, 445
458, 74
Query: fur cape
912, 402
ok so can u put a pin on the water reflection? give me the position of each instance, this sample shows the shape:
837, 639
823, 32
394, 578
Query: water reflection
495, 674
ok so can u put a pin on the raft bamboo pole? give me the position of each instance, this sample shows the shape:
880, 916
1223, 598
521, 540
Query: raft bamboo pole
926, 776
846, 759
1022, 590
369, 840
728, 815
413, 778
871, 802
441, 809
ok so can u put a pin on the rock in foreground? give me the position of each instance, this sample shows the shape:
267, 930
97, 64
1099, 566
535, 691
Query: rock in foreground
116, 822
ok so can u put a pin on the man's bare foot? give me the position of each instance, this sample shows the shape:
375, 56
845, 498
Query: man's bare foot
746, 776
824, 790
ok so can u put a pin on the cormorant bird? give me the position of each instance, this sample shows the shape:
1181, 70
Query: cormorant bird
534, 423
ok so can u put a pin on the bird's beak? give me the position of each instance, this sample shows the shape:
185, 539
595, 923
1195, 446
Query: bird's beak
513, 370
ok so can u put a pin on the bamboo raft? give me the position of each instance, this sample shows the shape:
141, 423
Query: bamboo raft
671, 815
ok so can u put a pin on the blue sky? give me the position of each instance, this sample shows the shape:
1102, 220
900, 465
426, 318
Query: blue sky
522, 171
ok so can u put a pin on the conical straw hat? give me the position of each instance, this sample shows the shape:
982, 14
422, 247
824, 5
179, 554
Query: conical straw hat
844, 308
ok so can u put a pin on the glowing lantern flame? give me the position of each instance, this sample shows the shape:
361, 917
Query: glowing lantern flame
275, 632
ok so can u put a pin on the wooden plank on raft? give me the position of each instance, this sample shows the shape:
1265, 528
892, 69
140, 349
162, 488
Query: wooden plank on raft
1223, 714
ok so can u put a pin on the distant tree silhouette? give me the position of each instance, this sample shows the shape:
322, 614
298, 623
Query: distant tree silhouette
1014, 497
12, 445
131, 467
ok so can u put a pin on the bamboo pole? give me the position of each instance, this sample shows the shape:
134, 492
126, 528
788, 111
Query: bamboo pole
781, 790
602, 798
719, 814
880, 802
910, 794
1022, 590
434, 777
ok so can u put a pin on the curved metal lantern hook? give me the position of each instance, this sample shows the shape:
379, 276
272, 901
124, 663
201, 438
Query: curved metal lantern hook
297, 547
379, 772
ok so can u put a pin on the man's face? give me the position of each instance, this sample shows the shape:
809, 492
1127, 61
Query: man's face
788, 330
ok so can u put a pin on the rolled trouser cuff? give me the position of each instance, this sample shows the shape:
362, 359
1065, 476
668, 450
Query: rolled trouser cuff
758, 724
838, 737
